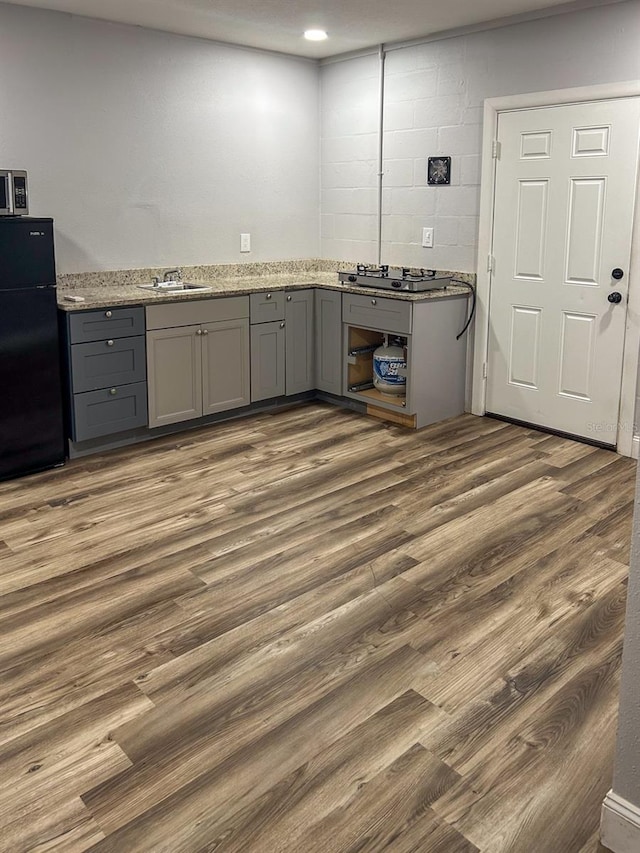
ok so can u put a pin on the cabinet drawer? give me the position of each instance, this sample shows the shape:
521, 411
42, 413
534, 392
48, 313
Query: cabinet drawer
375, 312
103, 364
107, 323
197, 311
111, 410
267, 307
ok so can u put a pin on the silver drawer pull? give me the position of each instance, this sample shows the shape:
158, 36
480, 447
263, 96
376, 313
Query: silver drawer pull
205, 331
108, 313
288, 299
282, 325
268, 296
109, 343
198, 331
113, 391
374, 301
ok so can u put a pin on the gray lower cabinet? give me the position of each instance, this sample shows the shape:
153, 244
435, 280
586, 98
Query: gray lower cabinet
197, 369
282, 351
107, 371
110, 410
328, 341
225, 366
427, 331
174, 375
268, 378
299, 348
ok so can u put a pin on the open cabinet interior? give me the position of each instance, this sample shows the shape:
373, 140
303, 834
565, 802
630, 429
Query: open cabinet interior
360, 347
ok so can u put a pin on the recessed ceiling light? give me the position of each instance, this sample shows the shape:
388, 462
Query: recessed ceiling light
315, 35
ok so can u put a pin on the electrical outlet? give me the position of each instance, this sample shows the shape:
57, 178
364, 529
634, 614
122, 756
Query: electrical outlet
427, 238
245, 242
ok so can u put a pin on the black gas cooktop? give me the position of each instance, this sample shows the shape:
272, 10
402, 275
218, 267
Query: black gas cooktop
396, 278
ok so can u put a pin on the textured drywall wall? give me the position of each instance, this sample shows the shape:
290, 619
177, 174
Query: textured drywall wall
433, 105
150, 149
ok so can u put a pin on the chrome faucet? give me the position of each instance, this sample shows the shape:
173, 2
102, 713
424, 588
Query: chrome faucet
172, 275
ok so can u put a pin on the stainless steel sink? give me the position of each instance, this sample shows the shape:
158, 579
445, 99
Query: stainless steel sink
174, 287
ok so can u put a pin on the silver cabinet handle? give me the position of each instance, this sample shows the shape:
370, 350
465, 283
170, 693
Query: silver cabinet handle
268, 296
288, 299
205, 331
282, 325
113, 391
199, 332
108, 313
109, 343
374, 301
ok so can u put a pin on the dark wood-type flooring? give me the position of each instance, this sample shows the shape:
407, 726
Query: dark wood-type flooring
313, 631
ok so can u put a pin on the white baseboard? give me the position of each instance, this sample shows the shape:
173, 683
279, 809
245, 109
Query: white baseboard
620, 824
635, 447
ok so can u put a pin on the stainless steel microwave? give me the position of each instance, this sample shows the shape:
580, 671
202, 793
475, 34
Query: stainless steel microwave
14, 193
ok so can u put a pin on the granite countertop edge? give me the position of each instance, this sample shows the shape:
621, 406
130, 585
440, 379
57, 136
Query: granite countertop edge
108, 291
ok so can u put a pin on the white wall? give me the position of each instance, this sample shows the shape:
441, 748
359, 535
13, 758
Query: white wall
151, 149
434, 94
620, 825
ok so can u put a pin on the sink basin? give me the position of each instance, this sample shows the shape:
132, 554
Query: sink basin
174, 287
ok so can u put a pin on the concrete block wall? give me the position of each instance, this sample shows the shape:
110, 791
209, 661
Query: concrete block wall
434, 94
349, 158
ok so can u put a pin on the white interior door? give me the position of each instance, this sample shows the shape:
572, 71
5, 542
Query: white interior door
563, 215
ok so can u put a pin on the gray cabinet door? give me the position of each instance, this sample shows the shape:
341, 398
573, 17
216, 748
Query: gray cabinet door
225, 366
328, 341
267, 360
174, 374
299, 341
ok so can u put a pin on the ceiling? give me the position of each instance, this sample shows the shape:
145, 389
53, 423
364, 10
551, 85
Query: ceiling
278, 24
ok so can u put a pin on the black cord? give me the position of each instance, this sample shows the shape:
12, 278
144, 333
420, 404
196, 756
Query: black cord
473, 304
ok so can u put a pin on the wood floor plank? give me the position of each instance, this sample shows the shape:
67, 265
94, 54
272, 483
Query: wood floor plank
532, 780
243, 703
331, 780
384, 808
506, 706
81, 670
217, 794
201, 651
478, 650
312, 630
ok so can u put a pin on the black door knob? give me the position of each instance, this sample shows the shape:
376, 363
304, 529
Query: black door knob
615, 297
617, 273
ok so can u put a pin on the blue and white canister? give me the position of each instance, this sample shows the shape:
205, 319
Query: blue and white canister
387, 362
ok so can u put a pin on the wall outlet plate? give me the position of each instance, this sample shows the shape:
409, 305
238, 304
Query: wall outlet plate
245, 242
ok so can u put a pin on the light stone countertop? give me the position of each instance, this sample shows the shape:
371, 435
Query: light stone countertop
120, 288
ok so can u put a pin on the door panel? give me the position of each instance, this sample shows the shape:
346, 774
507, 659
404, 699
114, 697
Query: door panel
576, 355
267, 361
174, 375
299, 348
563, 216
225, 366
525, 346
531, 230
584, 238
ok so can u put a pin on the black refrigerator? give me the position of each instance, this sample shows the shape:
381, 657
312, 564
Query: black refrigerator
31, 412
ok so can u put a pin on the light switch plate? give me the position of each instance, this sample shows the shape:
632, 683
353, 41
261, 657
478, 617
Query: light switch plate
245, 242
427, 238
